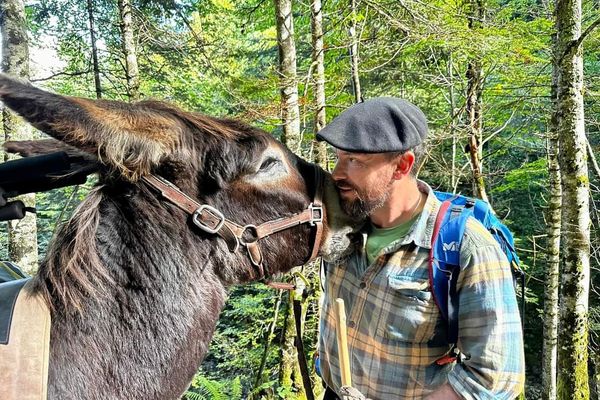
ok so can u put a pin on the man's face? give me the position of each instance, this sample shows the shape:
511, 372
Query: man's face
364, 181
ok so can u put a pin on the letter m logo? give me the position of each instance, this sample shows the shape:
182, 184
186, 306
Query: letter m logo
452, 246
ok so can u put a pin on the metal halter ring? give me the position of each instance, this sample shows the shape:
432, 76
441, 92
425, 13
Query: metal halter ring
216, 213
315, 210
250, 229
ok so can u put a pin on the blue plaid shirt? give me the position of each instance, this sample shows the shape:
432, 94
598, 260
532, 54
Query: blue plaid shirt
396, 332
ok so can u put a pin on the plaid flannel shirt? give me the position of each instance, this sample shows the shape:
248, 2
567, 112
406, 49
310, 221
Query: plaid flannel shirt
396, 332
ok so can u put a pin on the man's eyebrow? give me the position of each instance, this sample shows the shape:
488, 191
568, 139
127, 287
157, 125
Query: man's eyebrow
353, 154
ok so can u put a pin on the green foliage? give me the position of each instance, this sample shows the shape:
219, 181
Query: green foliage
203, 388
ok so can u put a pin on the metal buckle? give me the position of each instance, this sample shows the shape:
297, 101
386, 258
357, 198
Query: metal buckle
315, 210
202, 225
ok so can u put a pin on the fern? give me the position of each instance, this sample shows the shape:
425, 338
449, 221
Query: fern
189, 395
203, 388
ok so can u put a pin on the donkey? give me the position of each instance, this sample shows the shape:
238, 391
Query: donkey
134, 287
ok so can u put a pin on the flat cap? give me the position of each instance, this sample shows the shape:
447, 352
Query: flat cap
379, 125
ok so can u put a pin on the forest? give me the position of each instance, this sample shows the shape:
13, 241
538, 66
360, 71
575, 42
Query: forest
510, 89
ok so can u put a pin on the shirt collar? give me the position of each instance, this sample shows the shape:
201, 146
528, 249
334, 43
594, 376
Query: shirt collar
422, 230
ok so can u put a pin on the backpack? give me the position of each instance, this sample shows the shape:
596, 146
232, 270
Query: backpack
444, 256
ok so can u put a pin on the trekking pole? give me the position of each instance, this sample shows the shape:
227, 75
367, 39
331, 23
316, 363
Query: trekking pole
342, 342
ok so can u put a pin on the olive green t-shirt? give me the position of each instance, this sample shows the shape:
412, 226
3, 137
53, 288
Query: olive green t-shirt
380, 238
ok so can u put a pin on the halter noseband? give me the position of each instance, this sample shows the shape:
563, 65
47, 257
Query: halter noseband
211, 220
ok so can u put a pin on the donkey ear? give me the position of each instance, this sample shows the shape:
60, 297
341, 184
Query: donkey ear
130, 138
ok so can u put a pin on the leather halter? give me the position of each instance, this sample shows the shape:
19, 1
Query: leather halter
212, 221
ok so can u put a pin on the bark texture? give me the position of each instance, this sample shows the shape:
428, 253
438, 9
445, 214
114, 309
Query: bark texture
96, 65
131, 65
290, 376
318, 58
290, 110
553, 218
473, 107
22, 234
572, 383
354, 59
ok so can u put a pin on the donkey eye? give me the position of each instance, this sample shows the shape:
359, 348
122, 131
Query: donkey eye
268, 163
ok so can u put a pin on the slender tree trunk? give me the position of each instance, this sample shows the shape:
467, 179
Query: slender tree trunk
22, 234
452, 106
318, 56
131, 65
474, 103
354, 60
268, 340
290, 111
595, 384
553, 218
290, 376
572, 383
90, 9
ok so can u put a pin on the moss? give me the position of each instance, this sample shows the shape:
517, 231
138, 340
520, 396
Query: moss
573, 380
583, 180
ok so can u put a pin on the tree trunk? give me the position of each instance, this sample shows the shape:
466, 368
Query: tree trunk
318, 56
268, 339
553, 217
595, 384
452, 109
473, 107
572, 380
22, 234
290, 376
354, 60
290, 111
90, 10
131, 65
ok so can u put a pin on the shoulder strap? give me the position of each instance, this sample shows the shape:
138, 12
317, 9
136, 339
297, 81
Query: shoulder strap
434, 272
444, 260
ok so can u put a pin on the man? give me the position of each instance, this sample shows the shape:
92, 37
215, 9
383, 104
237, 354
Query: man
396, 334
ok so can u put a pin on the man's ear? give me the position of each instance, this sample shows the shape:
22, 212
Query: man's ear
403, 164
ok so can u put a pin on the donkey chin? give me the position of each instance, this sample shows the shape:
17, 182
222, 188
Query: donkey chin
340, 235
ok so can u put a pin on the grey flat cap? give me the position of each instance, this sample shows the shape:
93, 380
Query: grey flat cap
379, 125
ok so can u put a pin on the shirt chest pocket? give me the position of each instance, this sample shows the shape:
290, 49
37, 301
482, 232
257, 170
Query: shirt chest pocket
409, 313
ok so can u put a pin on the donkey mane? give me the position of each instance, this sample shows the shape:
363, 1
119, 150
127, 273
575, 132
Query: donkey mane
61, 280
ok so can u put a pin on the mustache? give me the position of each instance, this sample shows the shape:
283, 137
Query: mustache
344, 184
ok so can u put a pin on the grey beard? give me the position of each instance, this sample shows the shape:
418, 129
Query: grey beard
360, 209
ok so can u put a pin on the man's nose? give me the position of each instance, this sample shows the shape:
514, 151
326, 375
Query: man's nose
339, 172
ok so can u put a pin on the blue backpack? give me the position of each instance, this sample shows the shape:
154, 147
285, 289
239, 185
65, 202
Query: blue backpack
444, 257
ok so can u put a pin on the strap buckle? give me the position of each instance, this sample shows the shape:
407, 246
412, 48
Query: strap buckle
214, 213
316, 214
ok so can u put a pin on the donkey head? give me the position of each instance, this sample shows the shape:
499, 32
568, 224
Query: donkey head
250, 177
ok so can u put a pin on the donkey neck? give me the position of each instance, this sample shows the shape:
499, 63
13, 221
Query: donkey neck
150, 328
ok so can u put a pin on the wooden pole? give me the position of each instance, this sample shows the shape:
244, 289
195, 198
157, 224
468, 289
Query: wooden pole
342, 341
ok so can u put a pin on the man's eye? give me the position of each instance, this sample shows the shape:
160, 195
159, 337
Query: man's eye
268, 163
